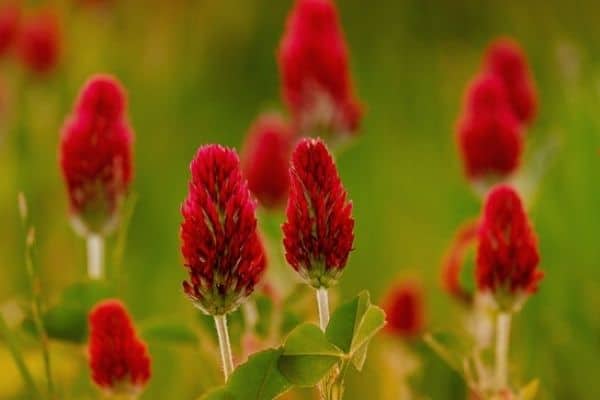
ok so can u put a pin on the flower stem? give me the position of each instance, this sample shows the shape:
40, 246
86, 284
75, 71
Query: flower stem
95, 256
11, 343
224, 345
502, 341
36, 295
323, 304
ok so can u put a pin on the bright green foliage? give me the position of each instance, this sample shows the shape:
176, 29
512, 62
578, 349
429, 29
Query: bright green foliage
308, 355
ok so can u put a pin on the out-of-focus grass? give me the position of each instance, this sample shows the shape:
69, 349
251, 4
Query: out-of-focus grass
199, 72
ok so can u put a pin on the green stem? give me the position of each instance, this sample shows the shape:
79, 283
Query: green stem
95, 256
15, 351
323, 305
36, 295
502, 342
224, 345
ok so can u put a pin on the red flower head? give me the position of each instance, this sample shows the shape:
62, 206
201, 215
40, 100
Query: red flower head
10, 16
488, 135
95, 155
265, 159
119, 360
507, 255
39, 42
464, 239
404, 310
313, 61
220, 244
319, 230
505, 58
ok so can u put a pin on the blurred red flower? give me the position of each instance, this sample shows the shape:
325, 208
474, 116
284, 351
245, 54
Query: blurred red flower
313, 62
507, 254
404, 309
96, 155
265, 159
488, 134
119, 360
10, 17
221, 247
465, 237
505, 58
40, 42
319, 229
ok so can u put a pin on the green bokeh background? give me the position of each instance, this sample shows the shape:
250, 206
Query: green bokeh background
200, 71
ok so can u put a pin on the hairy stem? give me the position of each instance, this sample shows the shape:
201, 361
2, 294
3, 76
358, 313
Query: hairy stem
323, 304
224, 345
502, 341
95, 256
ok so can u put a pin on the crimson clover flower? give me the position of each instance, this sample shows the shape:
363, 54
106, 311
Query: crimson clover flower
313, 63
265, 159
507, 253
464, 239
404, 309
319, 229
39, 42
505, 58
10, 17
488, 134
96, 156
220, 243
118, 359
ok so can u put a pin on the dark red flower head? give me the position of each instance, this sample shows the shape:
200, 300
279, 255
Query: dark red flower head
221, 247
319, 230
95, 155
39, 42
505, 59
404, 309
119, 360
507, 254
10, 17
488, 135
313, 62
102, 98
265, 159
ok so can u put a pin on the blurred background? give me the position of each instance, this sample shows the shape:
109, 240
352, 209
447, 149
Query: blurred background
200, 71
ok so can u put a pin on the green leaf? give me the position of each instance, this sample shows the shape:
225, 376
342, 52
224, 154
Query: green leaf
86, 294
529, 391
307, 356
68, 320
257, 379
353, 325
168, 332
360, 356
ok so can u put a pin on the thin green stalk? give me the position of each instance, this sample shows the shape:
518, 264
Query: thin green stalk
95, 256
36, 295
15, 351
502, 341
323, 305
224, 345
